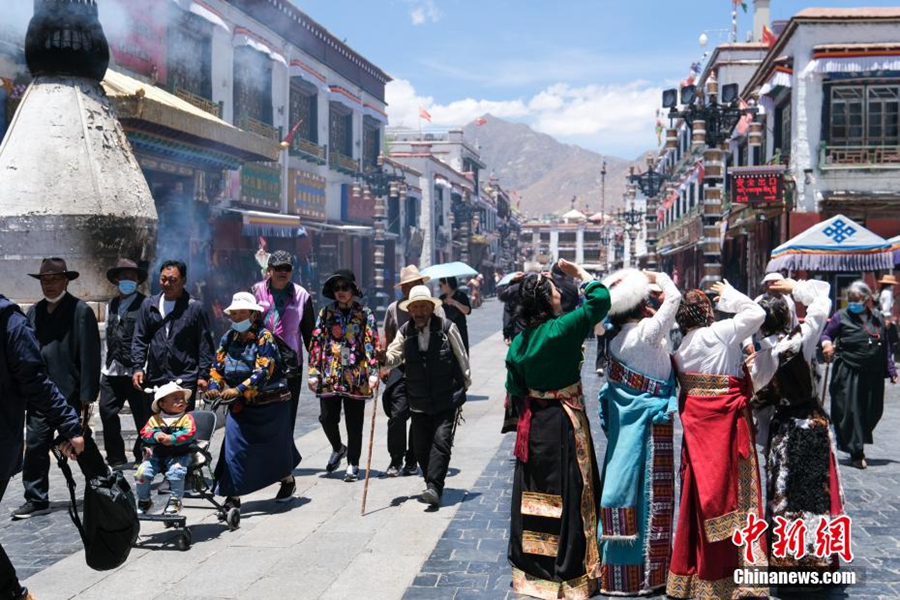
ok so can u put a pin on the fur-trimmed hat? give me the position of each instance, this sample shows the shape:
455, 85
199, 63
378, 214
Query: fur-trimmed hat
627, 289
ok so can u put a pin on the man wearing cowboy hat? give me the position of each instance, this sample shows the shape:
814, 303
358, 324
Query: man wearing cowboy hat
288, 312
67, 331
437, 377
403, 460
115, 382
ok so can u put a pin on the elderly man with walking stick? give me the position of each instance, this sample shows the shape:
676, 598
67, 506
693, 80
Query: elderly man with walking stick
437, 377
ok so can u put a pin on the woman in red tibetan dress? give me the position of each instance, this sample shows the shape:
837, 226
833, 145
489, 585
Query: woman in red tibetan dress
720, 484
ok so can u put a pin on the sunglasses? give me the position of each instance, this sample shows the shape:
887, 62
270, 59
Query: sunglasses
283, 269
343, 287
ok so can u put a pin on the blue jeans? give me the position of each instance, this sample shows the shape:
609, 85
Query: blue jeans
174, 467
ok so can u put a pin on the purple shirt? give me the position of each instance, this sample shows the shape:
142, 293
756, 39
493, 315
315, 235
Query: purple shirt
296, 322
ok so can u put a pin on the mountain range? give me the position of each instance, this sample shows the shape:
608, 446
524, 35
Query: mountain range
547, 173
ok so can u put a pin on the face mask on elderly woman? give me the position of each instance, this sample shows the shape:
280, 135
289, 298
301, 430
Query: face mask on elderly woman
857, 308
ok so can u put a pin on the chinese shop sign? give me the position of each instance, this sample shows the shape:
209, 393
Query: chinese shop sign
757, 185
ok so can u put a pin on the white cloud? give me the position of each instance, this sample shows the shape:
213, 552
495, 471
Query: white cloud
616, 119
424, 11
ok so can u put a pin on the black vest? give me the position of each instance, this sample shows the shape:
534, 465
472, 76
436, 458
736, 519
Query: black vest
434, 381
120, 330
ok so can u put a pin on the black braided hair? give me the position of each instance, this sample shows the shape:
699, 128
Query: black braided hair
695, 311
778, 316
535, 300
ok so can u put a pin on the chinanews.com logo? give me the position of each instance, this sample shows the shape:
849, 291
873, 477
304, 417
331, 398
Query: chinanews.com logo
831, 539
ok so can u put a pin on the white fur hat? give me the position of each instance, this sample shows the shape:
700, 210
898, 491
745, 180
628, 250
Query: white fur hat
627, 289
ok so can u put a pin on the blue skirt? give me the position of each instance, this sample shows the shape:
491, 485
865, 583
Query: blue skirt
258, 449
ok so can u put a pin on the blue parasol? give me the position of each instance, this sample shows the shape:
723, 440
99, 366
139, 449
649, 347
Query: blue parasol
895, 247
453, 269
506, 279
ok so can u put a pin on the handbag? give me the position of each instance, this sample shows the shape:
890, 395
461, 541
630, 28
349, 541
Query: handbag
271, 394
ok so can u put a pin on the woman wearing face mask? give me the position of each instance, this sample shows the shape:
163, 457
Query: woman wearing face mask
258, 449
856, 339
343, 369
556, 487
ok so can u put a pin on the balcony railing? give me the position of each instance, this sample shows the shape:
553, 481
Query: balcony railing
343, 163
308, 150
859, 157
258, 127
213, 108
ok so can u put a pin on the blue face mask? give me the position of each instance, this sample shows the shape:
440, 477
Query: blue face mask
856, 308
127, 287
241, 326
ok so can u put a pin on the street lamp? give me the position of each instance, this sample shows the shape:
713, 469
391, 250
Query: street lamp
381, 183
714, 112
632, 218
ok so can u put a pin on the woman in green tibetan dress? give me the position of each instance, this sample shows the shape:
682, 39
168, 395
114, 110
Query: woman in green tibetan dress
553, 524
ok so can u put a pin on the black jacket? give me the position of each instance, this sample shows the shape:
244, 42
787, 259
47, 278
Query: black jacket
509, 296
70, 344
24, 383
185, 353
120, 330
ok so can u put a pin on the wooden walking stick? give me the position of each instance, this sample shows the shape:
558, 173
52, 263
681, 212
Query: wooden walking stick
362, 511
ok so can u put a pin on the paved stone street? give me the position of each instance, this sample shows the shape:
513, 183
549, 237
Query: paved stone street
319, 546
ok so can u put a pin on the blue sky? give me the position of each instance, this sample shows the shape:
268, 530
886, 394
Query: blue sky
586, 72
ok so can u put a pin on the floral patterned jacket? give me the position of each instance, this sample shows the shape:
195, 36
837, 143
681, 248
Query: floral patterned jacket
343, 372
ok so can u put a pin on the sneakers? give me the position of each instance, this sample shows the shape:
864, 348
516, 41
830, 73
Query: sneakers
173, 507
286, 491
31, 509
409, 469
335, 461
352, 473
430, 497
143, 506
119, 466
392, 471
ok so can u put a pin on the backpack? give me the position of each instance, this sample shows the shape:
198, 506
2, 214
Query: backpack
110, 524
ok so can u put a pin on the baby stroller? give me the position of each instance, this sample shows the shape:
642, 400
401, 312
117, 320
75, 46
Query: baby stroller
197, 483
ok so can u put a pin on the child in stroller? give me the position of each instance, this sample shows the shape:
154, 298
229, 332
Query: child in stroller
167, 438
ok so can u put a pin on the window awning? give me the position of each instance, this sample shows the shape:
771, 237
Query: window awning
204, 11
145, 107
302, 70
854, 58
258, 223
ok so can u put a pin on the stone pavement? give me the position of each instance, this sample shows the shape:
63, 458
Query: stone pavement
320, 547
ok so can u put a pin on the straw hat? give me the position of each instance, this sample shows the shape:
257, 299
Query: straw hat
243, 301
160, 392
409, 274
420, 293
888, 280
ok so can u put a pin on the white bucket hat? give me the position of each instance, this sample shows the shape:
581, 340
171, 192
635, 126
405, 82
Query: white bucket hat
161, 391
772, 277
243, 301
420, 293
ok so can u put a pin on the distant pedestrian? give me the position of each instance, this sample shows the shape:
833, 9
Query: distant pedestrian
886, 303
396, 406
116, 387
556, 487
437, 377
258, 449
67, 331
856, 339
172, 337
343, 367
25, 383
289, 314
457, 307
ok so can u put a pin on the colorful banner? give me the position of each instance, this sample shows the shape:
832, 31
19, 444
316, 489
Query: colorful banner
307, 195
137, 35
261, 186
355, 208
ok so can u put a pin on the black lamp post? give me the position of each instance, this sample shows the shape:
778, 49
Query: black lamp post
381, 183
632, 219
719, 112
